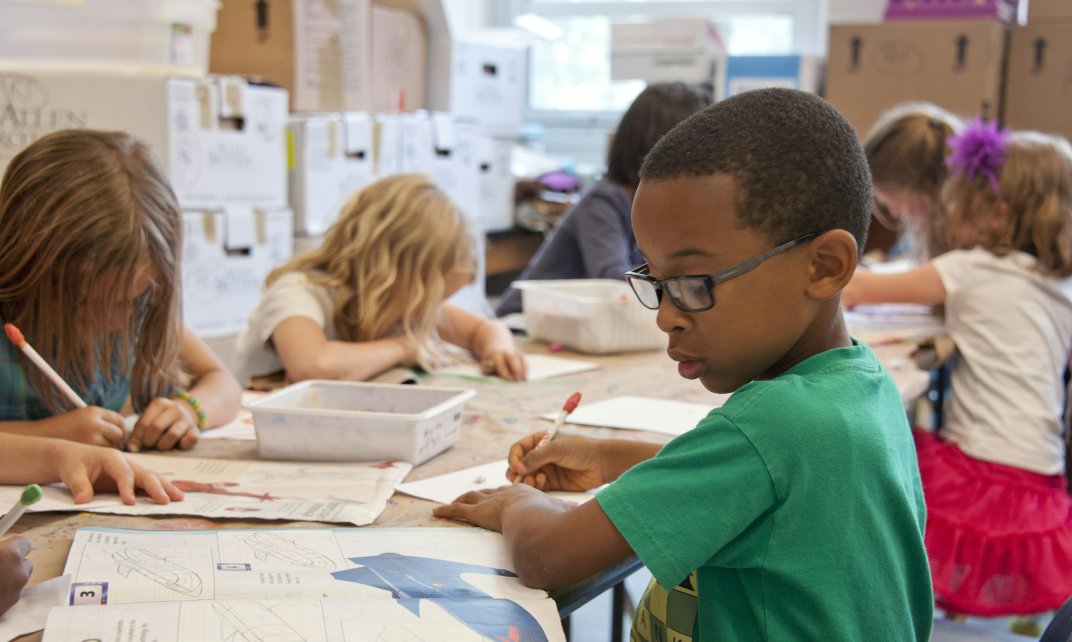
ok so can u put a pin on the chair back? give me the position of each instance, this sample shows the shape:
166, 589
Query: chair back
1060, 628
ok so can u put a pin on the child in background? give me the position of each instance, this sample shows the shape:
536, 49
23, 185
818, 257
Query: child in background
44, 461
594, 240
373, 296
795, 510
999, 520
92, 237
906, 153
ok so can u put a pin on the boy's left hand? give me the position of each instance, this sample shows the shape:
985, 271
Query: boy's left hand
507, 363
165, 424
484, 507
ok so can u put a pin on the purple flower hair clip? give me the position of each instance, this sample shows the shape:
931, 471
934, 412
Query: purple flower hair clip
979, 150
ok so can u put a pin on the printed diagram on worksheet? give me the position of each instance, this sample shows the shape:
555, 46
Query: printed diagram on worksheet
405, 585
354, 493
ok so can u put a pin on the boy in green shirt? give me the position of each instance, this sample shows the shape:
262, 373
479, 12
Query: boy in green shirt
795, 510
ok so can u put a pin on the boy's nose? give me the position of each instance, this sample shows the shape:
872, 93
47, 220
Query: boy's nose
669, 318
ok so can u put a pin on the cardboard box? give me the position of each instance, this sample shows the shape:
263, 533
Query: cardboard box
219, 140
387, 144
317, 49
493, 157
744, 73
399, 60
487, 85
434, 143
955, 64
227, 253
1004, 10
688, 50
1048, 11
330, 159
1038, 88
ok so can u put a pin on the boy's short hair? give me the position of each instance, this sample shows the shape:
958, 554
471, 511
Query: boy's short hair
794, 158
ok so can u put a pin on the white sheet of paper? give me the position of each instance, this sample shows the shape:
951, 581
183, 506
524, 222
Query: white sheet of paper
540, 366
642, 413
298, 583
445, 488
241, 427
354, 493
31, 611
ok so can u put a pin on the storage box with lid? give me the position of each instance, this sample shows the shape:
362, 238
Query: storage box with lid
148, 36
330, 158
219, 139
589, 315
348, 421
686, 50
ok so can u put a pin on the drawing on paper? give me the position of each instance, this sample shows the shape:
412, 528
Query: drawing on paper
322, 473
219, 488
287, 550
411, 579
159, 569
252, 622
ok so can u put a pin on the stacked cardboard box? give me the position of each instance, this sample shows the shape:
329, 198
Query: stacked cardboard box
957, 64
1038, 89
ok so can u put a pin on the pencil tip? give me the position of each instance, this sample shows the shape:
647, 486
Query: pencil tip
14, 334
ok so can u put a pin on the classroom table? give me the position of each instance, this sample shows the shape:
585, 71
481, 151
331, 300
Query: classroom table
499, 414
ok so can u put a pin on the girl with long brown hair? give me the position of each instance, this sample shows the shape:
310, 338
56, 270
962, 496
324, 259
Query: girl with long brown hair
91, 235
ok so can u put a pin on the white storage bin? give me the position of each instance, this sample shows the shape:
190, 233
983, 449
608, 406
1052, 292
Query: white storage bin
161, 36
590, 315
348, 421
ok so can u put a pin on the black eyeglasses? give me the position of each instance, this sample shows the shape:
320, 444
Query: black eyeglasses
696, 293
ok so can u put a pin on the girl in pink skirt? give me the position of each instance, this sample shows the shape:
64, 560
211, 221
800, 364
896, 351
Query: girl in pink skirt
999, 516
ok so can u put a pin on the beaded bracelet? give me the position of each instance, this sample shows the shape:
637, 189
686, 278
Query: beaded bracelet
195, 404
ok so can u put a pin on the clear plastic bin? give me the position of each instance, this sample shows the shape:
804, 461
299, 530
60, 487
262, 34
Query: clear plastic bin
149, 36
347, 421
597, 316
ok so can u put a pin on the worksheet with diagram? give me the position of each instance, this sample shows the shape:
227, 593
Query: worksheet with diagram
409, 584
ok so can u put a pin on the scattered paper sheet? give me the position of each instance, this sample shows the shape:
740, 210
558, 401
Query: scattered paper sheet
353, 493
540, 366
241, 427
445, 488
642, 413
298, 584
31, 611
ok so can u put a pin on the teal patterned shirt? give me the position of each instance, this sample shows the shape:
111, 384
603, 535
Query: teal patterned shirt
20, 402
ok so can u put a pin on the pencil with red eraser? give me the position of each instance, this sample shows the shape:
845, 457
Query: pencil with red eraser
567, 408
16, 337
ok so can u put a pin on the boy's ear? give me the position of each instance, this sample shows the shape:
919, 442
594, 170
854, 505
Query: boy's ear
834, 255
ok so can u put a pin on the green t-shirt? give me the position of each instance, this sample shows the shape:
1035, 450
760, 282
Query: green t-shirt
798, 504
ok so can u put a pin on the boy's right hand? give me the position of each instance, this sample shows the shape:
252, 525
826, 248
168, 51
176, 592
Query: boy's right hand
91, 425
15, 570
84, 467
568, 462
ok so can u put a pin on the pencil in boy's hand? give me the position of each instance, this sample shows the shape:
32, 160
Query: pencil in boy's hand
30, 495
19, 340
567, 408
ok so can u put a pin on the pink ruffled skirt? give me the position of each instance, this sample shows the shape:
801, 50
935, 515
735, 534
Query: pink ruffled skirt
999, 538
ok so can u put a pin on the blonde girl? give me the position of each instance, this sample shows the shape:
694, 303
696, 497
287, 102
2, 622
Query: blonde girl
906, 152
92, 236
999, 518
373, 295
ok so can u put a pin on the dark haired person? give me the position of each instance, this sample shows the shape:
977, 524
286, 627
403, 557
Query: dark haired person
795, 510
594, 240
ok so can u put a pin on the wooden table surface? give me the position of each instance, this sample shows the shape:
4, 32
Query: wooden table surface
499, 414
